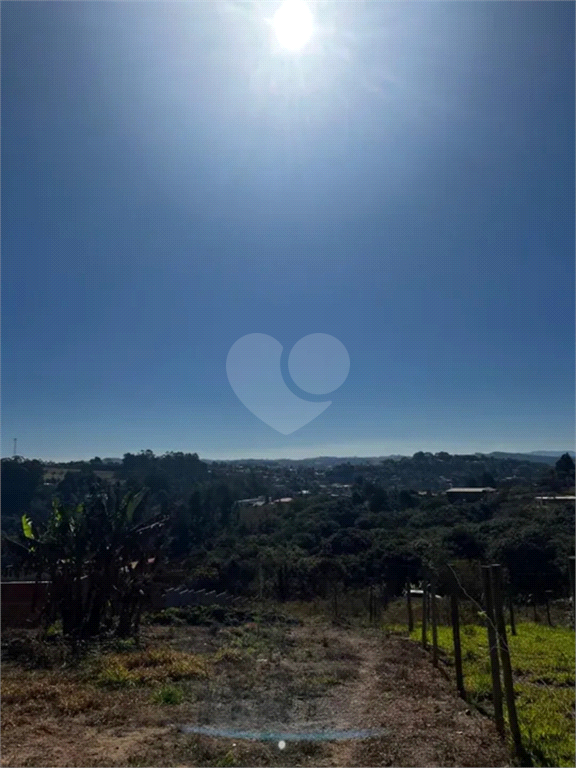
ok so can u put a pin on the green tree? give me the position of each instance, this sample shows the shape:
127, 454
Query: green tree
20, 479
487, 480
406, 500
565, 467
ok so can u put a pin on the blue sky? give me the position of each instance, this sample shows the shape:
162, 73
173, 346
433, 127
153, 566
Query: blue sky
172, 180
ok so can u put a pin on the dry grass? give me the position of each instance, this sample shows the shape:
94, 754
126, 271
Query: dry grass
153, 665
125, 709
62, 696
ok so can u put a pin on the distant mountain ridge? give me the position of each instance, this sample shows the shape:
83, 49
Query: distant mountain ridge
543, 457
540, 457
556, 454
546, 457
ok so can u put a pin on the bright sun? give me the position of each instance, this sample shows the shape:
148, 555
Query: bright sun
293, 24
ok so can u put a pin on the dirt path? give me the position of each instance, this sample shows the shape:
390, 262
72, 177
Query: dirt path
424, 722
355, 705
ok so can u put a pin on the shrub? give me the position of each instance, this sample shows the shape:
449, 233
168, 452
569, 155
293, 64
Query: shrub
115, 675
210, 615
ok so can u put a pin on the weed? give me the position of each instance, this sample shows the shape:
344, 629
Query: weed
168, 694
226, 760
54, 630
114, 675
123, 645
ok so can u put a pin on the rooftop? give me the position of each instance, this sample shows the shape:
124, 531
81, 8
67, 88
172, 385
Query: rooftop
469, 490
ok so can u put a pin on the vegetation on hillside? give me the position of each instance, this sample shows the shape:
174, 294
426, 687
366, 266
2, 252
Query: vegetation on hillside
352, 524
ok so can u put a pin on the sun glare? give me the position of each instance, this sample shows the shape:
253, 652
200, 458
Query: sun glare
293, 24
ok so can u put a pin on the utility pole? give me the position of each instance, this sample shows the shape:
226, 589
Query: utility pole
15, 441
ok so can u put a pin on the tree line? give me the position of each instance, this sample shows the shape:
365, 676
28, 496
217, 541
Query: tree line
382, 531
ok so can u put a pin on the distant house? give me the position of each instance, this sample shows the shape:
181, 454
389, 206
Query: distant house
418, 593
467, 494
257, 502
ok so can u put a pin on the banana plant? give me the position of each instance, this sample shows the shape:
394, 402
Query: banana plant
99, 557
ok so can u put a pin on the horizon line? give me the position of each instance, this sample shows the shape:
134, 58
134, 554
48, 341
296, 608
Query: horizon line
544, 452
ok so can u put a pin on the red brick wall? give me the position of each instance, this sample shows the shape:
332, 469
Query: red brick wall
17, 602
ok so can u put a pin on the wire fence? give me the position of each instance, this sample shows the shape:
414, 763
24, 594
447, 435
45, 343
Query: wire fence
514, 663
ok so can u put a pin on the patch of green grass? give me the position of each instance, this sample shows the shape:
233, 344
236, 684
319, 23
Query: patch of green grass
123, 645
54, 630
168, 694
258, 640
115, 675
543, 668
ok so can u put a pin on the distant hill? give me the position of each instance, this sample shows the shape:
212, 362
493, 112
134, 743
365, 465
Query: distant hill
318, 461
547, 457
321, 462
556, 454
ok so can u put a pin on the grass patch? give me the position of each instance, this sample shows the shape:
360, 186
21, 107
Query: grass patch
228, 654
543, 667
168, 694
210, 615
37, 691
261, 641
153, 665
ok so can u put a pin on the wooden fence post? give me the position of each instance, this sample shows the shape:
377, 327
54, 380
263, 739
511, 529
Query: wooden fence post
511, 611
509, 601
385, 596
456, 639
571, 572
547, 594
493, 648
505, 659
434, 619
409, 607
425, 613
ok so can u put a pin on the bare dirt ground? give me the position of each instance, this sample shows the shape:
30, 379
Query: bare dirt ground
298, 680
